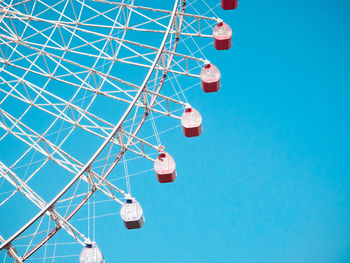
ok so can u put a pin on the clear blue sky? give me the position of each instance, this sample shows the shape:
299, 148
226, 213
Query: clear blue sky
269, 178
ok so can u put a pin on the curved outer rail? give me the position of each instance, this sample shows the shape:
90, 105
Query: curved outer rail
112, 134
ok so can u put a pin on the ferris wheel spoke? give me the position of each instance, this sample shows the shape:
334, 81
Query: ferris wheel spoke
72, 23
197, 16
71, 113
196, 30
124, 60
101, 14
61, 222
196, 33
68, 28
52, 8
65, 160
9, 34
165, 111
13, 35
93, 125
57, 59
71, 29
8, 197
184, 62
38, 142
12, 252
130, 141
40, 203
138, 144
63, 47
94, 90
29, 101
150, 20
100, 183
84, 127
21, 186
159, 100
182, 71
84, 4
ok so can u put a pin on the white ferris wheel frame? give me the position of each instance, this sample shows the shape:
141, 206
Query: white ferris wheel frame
48, 208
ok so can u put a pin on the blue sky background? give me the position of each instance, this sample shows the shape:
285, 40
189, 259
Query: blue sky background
268, 180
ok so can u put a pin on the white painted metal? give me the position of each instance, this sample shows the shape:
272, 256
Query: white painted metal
164, 60
112, 134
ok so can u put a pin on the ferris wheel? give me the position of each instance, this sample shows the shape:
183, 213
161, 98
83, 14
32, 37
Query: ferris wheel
87, 89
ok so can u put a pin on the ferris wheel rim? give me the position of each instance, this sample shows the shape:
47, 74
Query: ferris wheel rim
103, 145
43, 211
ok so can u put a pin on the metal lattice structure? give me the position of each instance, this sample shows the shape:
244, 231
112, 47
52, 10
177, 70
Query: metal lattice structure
86, 89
